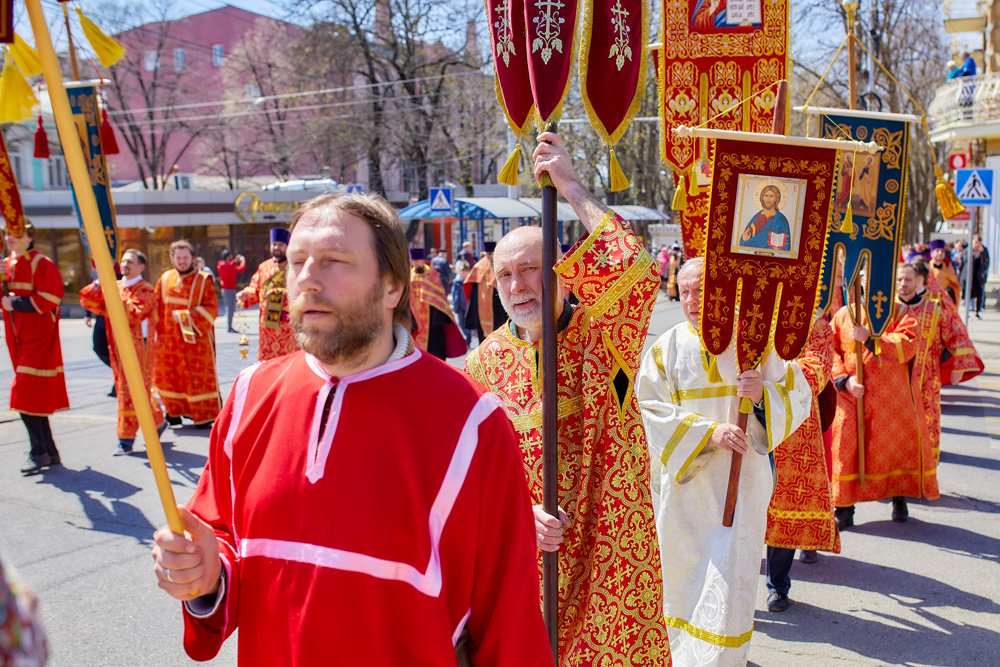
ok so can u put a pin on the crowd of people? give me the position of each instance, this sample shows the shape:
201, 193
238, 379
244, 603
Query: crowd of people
441, 561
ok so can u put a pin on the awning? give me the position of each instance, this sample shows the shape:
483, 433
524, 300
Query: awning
564, 212
496, 208
632, 212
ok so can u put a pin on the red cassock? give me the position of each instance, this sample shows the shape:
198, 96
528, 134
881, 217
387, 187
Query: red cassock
362, 524
39, 386
184, 370
139, 299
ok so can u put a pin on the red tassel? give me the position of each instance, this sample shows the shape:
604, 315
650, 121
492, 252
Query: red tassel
108, 141
41, 141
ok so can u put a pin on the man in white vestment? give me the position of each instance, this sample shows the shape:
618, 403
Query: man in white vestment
711, 573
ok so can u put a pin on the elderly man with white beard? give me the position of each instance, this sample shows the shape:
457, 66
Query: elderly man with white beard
710, 572
341, 517
609, 592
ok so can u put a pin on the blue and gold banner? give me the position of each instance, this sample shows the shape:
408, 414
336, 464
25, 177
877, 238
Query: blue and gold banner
83, 103
873, 187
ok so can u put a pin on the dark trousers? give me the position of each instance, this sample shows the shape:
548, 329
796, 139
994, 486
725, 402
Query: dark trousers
229, 300
779, 563
40, 436
100, 340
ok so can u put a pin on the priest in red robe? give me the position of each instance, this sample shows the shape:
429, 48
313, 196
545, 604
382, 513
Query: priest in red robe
342, 517
33, 290
267, 288
484, 312
434, 326
610, 589
184, 373
139, 299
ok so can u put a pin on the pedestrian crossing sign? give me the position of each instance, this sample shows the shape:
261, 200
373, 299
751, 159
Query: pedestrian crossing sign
974, 186
441, 199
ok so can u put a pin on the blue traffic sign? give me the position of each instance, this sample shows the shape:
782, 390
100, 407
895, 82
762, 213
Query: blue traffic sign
441, 200
355, 189
974, 186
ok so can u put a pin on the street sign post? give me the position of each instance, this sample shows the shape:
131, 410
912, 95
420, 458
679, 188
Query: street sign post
974, 188
442, 203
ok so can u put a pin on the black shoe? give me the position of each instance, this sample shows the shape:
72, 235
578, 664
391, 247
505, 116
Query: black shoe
844, 516
978, 316
207, 424
778, 602
113, 393
808, 556
232, 331
35, 466
173, 421
54, 460
900, 513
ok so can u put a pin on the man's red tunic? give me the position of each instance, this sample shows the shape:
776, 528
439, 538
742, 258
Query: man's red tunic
373, 532
33, 337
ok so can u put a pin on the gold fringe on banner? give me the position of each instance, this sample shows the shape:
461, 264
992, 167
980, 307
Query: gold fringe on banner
617, 177
746, 406
692, 182
509, 174
789, 379
25, 57
108, 50
713, 371
17, 99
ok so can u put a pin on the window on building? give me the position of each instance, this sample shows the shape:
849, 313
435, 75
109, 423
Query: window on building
16, 164
58, 176
179, 59
253, 91
151, 61
217, 55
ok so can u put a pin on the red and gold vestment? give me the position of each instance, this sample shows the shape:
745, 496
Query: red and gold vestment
267, 287
184, 371
39, 386
139, 299
896, 458
432, 312
800, 515
939, 330
610, 578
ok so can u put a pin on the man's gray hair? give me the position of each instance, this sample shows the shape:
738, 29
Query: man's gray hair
692, 265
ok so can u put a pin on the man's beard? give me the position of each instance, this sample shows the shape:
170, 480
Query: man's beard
523, 319
354, 327
279, 256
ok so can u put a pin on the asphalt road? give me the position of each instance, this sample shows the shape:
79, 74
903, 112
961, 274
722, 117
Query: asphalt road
921, 593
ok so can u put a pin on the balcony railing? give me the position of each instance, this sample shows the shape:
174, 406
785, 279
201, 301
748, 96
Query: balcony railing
966, 107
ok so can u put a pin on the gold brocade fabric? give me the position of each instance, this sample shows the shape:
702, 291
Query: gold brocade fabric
800, 515
426, 291
939, 330
610, 580
896, 459
277, 338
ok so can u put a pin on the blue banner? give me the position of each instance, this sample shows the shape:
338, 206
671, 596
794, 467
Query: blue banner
873, 186
83, 103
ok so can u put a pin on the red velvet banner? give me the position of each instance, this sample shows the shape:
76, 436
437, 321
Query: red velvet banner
551, 30
508, 37
10, 198
770, 207
716, 53
6, 21
613, 38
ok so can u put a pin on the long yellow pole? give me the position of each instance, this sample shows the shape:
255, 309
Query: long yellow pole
91, 217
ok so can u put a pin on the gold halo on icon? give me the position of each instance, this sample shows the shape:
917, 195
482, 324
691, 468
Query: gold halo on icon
782, 188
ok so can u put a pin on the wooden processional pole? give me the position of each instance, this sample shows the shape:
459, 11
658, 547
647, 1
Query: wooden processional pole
91, 217
736, 466
850, 6
550, 398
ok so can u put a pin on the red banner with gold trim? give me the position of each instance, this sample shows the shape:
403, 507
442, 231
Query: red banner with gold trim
6, 21
770, 208
551, 31
10, 198
508, 37
714, 54
613, 40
